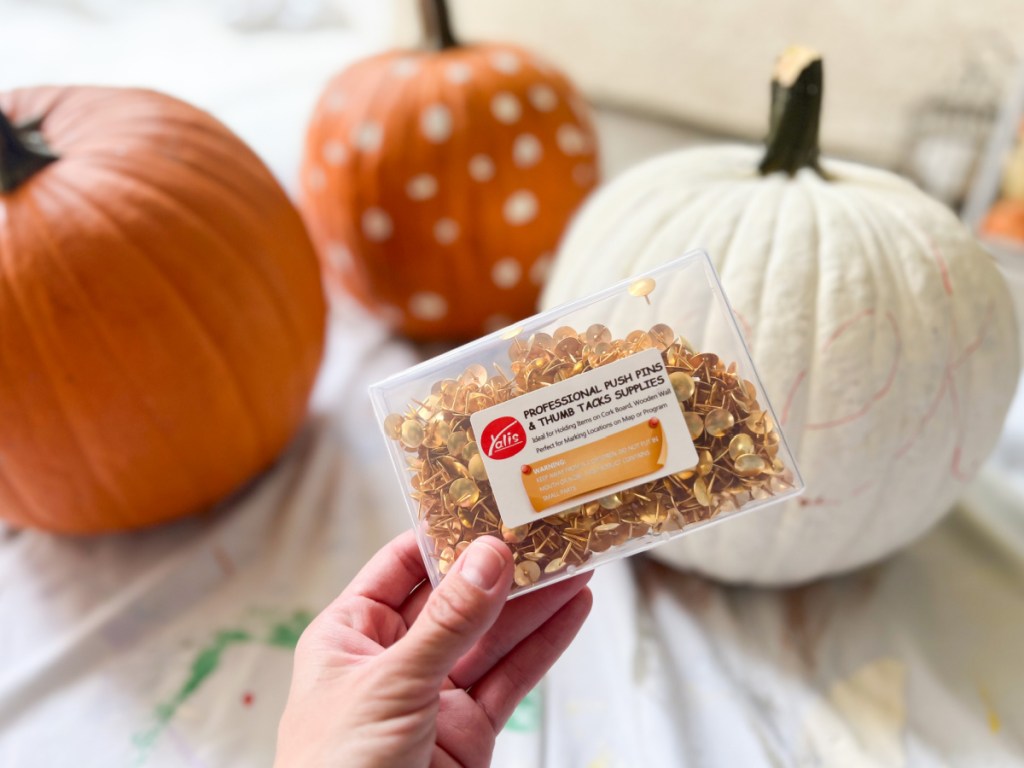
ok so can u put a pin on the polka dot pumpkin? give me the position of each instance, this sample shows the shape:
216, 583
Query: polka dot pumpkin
446, 178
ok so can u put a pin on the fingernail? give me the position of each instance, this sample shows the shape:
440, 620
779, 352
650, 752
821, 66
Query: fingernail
483, 566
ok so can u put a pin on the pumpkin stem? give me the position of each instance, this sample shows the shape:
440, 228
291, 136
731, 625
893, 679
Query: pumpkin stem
792, 141
437, 27
23, 152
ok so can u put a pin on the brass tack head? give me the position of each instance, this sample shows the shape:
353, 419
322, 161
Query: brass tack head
642, 287
445, 560
514, 535
757, 422
598, 334
476, 468
662, 336
695, 423
740, 445
412, 433
517, 349
457, 442
437, 433
393, 426
570, 348
683, 385
474, 374
700, 492
555, 565
704, 462
750, 464
564, 332
527, 573
718, 422
464, 492
540, 343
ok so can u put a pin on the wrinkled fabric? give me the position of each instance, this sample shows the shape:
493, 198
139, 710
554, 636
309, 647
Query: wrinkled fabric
172, 646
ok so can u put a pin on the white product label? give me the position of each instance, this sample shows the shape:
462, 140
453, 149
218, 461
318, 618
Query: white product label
583, 438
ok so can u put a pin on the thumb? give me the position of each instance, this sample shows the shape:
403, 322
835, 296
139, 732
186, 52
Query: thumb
457, 614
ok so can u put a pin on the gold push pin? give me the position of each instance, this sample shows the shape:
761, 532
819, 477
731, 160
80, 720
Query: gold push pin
642, 287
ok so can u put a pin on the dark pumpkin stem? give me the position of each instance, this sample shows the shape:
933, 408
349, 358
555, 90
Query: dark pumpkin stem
437, 26
792, 141
23, 152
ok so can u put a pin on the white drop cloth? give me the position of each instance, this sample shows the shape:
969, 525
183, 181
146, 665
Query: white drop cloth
916, 661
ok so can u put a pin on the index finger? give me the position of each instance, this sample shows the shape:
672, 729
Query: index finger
391, 574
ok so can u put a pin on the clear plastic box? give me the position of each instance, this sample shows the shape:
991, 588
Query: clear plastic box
589, 432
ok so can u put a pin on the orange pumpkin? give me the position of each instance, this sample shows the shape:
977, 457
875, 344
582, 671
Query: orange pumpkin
1005, 220
437, 183
161, 314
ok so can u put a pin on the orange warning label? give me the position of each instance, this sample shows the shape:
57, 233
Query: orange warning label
632, 452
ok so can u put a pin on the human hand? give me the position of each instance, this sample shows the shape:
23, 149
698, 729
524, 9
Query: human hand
393, 673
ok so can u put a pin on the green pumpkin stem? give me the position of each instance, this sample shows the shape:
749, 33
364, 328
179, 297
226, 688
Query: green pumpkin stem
23, 152
792, 141
437, 26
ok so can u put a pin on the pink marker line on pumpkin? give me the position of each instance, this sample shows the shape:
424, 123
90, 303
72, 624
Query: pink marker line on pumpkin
881, 393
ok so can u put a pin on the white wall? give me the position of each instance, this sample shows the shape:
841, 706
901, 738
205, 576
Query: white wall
708, 62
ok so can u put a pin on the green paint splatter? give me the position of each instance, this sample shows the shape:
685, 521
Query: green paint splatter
206, 662
526, 717
284, 634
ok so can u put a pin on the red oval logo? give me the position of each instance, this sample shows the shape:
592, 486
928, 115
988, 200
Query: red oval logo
503, 437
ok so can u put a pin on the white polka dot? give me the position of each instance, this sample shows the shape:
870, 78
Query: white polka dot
506, 273
436, 123
368, 136
317, 178
336, 100
584, 174
505, 107
571, 140
505, 61
427, 305
391, 314
377, 225
496, 323
406, 66
334, 152
446, 231
339, 256
458, 73
526, 150
540, 268
543, 97
481, 168
520, 207
421, 187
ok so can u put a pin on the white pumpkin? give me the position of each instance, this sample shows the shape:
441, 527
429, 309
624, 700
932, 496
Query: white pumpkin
883, 333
